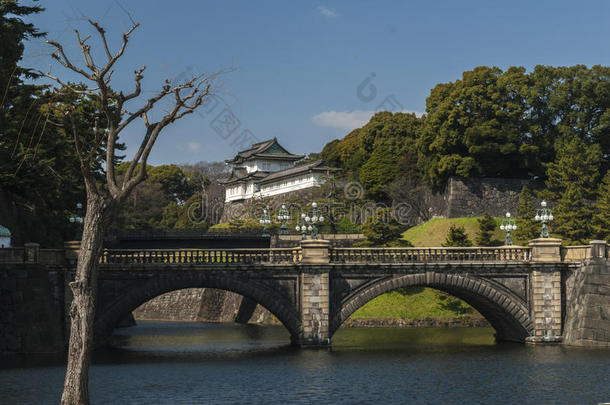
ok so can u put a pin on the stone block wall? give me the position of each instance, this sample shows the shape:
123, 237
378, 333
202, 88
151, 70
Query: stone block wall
546, 305
31, 314
587, 320
203, 305
466, 197
315, 309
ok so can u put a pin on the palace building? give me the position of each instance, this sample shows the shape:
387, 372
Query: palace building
267, 169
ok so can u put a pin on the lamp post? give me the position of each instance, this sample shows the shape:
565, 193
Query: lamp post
309, 224
265, 221
508, 225
544, 215
78, 219
316, 218
302, 226
283, 215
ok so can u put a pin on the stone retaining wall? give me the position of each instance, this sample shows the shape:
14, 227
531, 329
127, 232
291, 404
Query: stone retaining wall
587, 320
31, 318
203, 305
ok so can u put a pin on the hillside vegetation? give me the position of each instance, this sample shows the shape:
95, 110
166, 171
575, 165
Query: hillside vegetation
433, 232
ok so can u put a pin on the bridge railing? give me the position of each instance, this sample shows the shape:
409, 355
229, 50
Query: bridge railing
575, 253
448, 254
201, 256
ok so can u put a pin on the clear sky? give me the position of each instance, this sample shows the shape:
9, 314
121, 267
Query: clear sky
309, 72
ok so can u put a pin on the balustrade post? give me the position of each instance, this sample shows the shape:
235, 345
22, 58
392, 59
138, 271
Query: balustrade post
71, 248
598, 249
546, 250
315, 251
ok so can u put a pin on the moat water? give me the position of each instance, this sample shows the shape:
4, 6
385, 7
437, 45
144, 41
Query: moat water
190, 363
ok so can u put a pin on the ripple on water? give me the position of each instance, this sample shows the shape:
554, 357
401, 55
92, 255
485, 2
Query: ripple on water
180, 363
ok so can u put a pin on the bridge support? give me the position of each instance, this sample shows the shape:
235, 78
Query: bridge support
546, 292
315, 292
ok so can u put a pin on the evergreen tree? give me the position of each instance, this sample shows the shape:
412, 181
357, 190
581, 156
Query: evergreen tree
457, 237
487, 225
572, 181
527, 228
601, 219
382, 228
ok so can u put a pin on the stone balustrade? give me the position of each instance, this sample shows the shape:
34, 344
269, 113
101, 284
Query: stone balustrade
200, 256
445, 254
318, 252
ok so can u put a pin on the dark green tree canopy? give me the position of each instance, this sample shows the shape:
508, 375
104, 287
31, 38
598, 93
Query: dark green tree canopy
457, 237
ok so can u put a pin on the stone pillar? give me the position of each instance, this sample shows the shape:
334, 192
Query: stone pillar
314, 292
598, 249
546, 250
546, 306
32, 252
71, 248
315, 308
546, 292
315, 251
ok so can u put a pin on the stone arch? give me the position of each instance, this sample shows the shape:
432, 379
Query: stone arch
280, 306
507, 313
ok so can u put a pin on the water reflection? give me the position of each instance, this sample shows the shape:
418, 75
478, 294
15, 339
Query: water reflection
177, 363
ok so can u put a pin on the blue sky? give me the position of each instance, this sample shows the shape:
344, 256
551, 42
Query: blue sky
309, 72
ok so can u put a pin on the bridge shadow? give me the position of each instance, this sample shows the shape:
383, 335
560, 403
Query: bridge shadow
120, 304
505, 312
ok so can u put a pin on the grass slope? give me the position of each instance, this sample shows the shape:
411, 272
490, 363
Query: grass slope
434, 232
416, 303
426, 303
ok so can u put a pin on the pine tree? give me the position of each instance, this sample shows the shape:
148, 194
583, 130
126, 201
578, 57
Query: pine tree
487, 225
527, 228
601, 219
572, 181
457, 237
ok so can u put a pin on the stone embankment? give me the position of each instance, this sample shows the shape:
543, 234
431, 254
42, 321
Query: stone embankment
413, 323
587, 320
203, 305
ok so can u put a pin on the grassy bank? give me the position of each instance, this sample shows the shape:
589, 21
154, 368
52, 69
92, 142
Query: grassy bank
434, 231
417, 303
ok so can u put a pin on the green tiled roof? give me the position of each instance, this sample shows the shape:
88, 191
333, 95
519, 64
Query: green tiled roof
4, 232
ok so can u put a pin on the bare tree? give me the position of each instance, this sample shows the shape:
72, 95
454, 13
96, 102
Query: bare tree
103, 198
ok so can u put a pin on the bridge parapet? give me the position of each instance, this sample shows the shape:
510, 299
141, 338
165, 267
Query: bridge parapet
201, 256
424, 255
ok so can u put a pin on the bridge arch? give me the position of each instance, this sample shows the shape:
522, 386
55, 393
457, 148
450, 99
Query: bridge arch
109, 315
507, 313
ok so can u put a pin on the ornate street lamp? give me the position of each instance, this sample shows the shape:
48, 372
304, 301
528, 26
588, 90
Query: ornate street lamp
265, 221
316, 218
309, 224
302, 226
544, 215
78, 219
508, 225
283, 215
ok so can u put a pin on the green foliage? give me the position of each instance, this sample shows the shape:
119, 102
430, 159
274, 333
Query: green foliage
345, 225
505, 124
377, 152
572, 182
382, 228
601, 219
175, 182
487, 225
457, 237
527, 228
192, 214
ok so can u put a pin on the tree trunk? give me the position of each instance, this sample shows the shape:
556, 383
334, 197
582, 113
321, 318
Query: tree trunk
82, 310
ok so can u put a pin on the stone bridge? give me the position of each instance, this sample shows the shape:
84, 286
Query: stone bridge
540, 293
